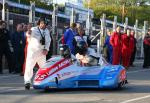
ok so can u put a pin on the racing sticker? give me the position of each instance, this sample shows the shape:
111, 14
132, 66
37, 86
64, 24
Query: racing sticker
44, 73
122, 75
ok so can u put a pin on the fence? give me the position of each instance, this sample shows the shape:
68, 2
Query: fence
139, 32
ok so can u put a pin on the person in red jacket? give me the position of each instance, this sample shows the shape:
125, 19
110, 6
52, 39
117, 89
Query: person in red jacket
127, 48
116, 42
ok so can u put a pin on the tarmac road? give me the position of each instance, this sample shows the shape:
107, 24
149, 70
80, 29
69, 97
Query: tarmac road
137, 91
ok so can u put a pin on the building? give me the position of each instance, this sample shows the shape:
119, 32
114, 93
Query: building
81, 13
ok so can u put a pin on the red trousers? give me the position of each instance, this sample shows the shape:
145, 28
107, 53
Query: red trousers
116, 55
126, 55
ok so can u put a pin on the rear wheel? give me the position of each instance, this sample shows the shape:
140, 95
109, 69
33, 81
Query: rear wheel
122, 84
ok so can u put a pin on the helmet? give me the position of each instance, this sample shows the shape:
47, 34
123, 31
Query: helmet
82, 47
65, 51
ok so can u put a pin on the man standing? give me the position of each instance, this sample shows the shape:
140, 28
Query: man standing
5, 44
116, 42
146, 45
38, 47
109, 48
18, 42
132, 35
127, 48
69, 35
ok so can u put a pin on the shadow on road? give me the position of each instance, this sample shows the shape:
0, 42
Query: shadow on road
126, 90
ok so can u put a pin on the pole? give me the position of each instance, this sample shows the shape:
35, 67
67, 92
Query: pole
135, 28
32, 12
3, 11
7, 19
72, 16
98, 46
54, 29
135, 31
144, 33
88, 21
115, 23
103, 28
125, 24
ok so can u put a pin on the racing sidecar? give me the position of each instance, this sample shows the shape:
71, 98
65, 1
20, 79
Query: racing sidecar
59, 72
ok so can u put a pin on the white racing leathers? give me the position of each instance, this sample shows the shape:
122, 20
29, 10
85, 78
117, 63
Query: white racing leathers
34, 51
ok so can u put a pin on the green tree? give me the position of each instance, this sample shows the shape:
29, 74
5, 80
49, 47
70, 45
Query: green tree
115, 7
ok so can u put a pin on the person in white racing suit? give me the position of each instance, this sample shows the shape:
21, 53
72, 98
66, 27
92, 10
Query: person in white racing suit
38, 47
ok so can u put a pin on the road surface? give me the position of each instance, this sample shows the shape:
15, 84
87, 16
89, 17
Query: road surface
137, 91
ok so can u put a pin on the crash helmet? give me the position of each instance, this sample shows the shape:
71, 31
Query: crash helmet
65, 51
82, 47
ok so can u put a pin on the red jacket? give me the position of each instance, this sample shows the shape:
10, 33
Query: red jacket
127, 43
132, 43
147, 40
116, 40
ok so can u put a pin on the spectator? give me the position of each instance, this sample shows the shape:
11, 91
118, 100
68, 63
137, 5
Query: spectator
109, 48
132, 35
5, 45
18, 41
69, 35
25, 28
50, 52
38, 47
146, 45
116, 42
62, 38
127, 48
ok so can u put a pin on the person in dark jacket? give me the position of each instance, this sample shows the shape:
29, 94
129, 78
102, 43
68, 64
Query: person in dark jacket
132, 35
80, 37
146, 44
18, 42
5, 46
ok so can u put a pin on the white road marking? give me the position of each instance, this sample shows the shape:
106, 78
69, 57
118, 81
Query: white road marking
5, 76
11, 90
135, 99
12, 83
138, 71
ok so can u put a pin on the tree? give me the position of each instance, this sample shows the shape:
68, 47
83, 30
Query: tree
115, 7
